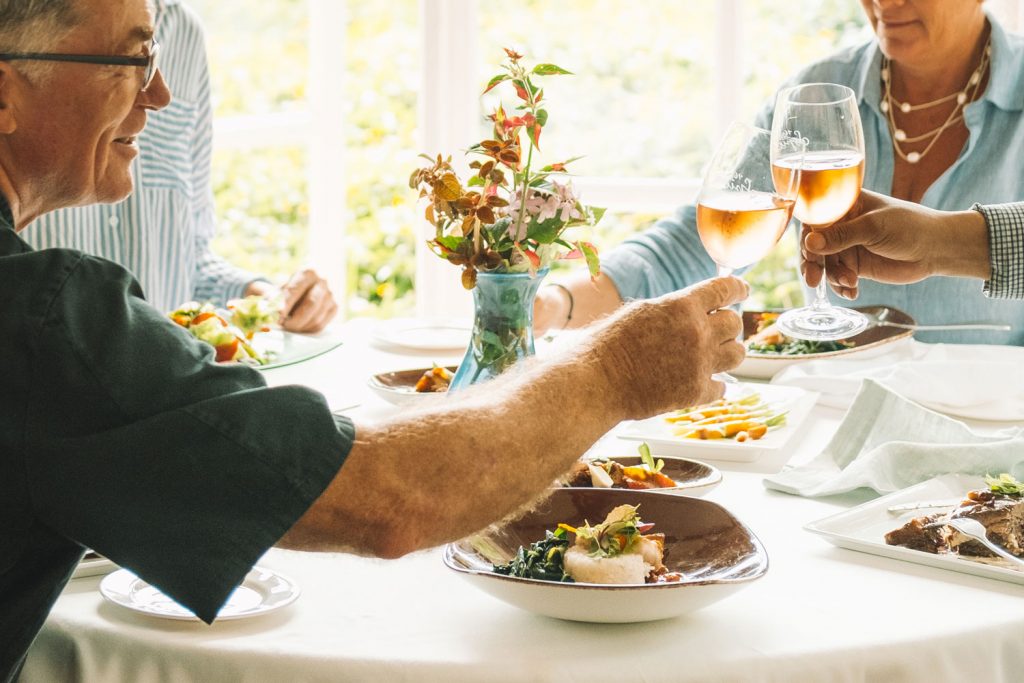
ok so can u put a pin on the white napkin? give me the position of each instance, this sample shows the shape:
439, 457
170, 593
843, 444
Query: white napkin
983, 382
887, 443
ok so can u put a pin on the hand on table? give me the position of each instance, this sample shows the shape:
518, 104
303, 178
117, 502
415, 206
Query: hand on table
308, 304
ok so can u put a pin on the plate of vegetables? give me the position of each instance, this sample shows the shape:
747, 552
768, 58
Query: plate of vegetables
680, 476
750, 422
769, 351
612, 556
246, 332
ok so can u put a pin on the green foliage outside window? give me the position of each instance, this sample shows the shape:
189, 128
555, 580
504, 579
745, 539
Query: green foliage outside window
641, 105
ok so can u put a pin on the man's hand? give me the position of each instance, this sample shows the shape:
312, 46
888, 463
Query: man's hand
308, 304
893, 241
660, 354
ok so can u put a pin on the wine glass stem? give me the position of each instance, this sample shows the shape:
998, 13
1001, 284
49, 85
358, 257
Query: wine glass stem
821, 292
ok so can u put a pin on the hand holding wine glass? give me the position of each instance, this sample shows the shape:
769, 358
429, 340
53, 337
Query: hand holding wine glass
825, 117
742, 208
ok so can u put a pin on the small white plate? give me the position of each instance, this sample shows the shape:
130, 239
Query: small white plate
288, 348
864, 527
398, 387
424, 334
658, 433
262, 591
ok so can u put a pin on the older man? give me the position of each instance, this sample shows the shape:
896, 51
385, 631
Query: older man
118, 432
162, 232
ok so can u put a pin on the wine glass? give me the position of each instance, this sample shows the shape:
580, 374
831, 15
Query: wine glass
742, 208
826, 118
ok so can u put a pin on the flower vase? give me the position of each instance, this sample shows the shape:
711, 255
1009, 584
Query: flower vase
502, 326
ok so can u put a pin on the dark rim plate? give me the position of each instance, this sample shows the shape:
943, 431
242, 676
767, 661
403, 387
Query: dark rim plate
404, 380
685, 472
702, 539
872, 336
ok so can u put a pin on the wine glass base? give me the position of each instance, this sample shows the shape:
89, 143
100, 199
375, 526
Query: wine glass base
821, 324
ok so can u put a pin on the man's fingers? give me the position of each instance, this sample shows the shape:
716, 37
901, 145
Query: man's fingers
719, 292
726, 324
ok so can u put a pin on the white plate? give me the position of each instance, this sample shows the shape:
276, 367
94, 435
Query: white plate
658, 433
864, 527
262, 591
424, 334
288, 348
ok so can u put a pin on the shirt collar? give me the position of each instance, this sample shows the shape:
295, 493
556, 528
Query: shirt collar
1006, 81
1006, 77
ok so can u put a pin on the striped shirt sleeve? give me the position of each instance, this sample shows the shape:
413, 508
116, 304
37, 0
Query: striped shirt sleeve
1006, 247
215, 279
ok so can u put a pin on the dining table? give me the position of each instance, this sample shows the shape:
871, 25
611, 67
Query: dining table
820, 613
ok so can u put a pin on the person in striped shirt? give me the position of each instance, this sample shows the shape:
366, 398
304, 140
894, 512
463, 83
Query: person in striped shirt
162, 232
899, 242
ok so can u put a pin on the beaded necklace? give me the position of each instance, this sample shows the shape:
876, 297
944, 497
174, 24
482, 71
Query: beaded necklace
890, 103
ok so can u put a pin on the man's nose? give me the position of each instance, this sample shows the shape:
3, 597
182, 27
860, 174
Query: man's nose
157, 95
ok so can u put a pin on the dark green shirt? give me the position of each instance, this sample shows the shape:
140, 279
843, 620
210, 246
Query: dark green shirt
119, 433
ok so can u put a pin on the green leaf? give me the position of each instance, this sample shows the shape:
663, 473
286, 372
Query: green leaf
647, 459
550, 70
593, 261
542, 116
475, 181
546, 232
1005, 484
500, 78
597, 212
450, 241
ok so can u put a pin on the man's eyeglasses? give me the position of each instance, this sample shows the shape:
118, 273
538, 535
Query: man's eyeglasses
148, 62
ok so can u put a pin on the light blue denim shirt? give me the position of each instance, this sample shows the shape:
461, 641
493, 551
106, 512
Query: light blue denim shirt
989, 170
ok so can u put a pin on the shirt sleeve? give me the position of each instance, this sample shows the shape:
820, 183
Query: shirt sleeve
180, 469
1006, 248
216, 279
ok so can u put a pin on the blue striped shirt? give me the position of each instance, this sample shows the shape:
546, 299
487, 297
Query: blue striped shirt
162, 232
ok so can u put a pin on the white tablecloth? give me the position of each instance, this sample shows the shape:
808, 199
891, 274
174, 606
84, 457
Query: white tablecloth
821, 613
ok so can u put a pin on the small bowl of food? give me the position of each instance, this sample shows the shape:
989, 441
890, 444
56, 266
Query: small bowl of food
403, 387
769, 351
612, 556
679, 476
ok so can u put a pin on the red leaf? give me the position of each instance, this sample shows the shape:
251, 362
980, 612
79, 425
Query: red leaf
534, 259
521, 91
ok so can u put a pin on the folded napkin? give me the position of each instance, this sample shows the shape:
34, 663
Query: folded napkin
983, 382
887, 443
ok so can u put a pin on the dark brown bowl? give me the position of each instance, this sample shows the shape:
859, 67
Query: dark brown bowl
714, 551
692, 477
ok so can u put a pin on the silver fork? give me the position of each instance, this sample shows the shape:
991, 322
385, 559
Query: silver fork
974, 529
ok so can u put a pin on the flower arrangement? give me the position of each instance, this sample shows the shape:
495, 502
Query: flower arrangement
508, 217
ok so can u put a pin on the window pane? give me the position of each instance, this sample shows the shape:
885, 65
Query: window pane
641, 102
258, 54
382, 72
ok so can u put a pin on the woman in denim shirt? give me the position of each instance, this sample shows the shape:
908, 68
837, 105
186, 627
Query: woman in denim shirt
977, 159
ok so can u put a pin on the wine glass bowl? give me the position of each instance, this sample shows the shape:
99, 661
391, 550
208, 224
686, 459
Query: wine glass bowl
825, 117
742, 209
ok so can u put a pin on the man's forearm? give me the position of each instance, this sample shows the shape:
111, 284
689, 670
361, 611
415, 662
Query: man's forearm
426, 478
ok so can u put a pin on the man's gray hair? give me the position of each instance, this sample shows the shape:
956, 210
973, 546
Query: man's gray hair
35, 26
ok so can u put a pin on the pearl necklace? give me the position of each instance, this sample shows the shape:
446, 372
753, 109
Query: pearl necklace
890, 103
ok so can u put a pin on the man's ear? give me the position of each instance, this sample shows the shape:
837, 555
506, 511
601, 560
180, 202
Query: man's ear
8, 122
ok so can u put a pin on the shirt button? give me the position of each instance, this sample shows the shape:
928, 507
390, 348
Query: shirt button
113, 221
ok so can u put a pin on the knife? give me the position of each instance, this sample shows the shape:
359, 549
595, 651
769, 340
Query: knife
921, 505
